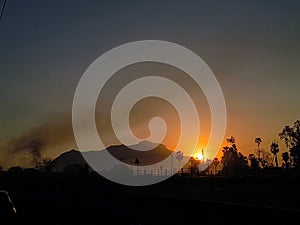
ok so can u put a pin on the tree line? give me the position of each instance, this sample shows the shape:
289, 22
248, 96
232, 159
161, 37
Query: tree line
235, 163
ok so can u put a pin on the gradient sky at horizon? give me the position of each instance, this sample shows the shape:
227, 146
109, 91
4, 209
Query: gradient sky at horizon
252, 47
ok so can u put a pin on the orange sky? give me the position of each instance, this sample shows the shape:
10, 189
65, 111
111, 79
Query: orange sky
252, 48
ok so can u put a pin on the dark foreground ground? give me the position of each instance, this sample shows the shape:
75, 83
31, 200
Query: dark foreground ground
59, 199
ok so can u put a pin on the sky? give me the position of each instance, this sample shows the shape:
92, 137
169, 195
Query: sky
252, 47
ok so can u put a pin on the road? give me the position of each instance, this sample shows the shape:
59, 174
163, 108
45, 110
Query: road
182, 201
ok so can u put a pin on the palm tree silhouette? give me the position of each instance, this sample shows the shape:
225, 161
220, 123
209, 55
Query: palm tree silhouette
274, 150
258, 141
231, 140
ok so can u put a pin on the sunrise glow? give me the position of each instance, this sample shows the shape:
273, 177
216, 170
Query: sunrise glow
200, 156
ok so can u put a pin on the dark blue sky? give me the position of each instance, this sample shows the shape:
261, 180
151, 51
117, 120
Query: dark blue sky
253, 47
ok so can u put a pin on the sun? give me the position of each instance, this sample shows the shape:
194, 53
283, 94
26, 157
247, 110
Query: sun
199, 156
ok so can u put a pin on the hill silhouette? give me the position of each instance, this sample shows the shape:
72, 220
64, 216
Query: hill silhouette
122, 153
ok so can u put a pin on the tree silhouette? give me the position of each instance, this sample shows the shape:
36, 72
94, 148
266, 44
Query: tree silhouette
291, 137
274, 150
266, 158
286, 158
258, 141
215, 164
194, 166
286, 134
137, 162
254, 162
231, 140
235, 163
295, 153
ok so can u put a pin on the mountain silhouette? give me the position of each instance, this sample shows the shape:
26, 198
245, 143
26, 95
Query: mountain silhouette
66, 159
122, 153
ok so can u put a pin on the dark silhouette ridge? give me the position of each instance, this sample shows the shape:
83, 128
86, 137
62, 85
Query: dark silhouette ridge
121, 152
66, 159
127, 154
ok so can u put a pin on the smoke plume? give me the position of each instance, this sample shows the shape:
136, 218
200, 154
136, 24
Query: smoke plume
46, 140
